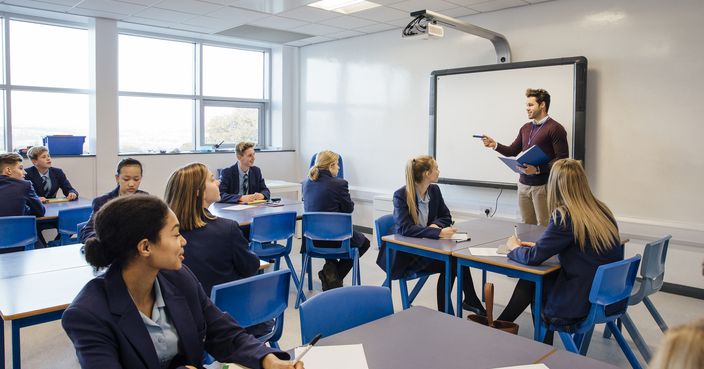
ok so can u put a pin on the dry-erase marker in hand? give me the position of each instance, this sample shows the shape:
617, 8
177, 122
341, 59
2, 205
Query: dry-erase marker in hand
515, 231
478, 136
305, 351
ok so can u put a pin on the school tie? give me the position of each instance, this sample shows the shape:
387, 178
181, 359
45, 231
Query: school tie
45, 184
245, 184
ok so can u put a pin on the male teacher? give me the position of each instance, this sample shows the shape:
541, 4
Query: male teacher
551, 137
243, 182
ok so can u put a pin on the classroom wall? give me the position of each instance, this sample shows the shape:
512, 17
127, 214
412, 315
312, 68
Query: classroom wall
367, 98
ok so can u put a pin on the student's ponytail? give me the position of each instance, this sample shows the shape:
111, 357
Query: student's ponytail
411, 191
323, 161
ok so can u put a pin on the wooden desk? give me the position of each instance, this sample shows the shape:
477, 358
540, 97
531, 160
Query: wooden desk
52, 209
480, 231
421, 338
244, 217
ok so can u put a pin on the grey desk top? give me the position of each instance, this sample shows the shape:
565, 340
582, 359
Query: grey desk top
52, 209
244, 217
422, 338
481, 231
20, 263
567, 360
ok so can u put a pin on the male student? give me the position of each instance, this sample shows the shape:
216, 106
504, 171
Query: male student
17, 194
551, 137
47, 179
243, 182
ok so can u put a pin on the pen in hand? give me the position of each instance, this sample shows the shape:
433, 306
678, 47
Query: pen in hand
310, 346
515, 231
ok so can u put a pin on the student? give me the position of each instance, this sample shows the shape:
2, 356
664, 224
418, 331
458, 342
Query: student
47, 179
323, 191
128, 178
18, 196
147, 310
243, 182
682, 348
551, 137
584, 235
420, 211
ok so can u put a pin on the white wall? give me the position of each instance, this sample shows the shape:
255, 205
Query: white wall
367, 98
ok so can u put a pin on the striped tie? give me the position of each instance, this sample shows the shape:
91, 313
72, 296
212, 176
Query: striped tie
45, 183
245, 184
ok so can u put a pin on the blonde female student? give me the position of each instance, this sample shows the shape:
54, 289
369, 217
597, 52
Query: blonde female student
420, 211
683, 348
148, 311
582, 231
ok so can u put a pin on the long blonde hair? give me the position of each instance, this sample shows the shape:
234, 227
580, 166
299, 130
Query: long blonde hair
415, 168
323, 161
682, 348
184, 195
569, 193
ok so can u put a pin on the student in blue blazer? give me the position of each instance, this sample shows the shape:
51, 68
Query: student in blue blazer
323, 191
18, 196
243, 182
148, 311
128, 177
46, 179
583, 234
420, 211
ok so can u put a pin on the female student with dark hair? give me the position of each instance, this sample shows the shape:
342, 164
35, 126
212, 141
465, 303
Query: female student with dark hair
217, 251
128, 177
583, 233
147, 311
323, 191
420, 211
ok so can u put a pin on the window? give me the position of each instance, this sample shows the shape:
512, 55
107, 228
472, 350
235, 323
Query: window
49, 81
167, 90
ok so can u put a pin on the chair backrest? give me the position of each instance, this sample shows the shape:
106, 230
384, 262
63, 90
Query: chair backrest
383, 226
612, 284
69, 218
653, 265
340, 173
266, 229
256, 299
326, 226
18, 231
343, 308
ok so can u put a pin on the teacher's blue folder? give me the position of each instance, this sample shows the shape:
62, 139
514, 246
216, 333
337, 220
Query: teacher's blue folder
533, 156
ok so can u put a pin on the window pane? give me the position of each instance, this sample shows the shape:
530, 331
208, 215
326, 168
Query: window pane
230, 124
48, 56
155, 124
233, 72
2, 121
151, 65
37, 114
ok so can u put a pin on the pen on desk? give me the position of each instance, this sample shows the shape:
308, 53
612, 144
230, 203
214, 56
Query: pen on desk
467, 240
305, 351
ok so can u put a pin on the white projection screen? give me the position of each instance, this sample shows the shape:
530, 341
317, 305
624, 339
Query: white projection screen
491, 100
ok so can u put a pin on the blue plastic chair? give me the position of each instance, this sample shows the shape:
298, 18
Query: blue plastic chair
255, 300
68, 223
323, 226
384, 226
340, 173
264, 233
18, 231
612, 284
80, 226
343, 308
652, 272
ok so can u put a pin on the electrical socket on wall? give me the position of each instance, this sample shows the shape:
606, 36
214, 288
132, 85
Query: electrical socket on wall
486, 210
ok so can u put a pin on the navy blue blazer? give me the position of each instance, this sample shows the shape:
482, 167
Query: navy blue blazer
88, 231
218, 253
58, 180
230, 184
567, 297
438, 214
18, 198
329, 194
108, 332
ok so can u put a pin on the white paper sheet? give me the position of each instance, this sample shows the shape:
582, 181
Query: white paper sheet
484, 251
529, 366
338, 357
238, 207
459, 236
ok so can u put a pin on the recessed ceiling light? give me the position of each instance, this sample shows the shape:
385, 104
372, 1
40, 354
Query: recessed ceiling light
344, 6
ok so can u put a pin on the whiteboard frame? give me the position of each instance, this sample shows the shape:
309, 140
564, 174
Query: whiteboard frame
580, 106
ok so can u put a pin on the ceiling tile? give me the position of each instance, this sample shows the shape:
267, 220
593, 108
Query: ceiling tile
138, 2
413, 5
188, 6
536, 1
316, 29
402, 22
466, 2
186, 27
308, 14
309, 41
345, 34
491, 6
236, 15
164, 15
347, 21
210, 22
280, 23
39, 5
149, 22
96, 13
379, 27
110, 6
458, 12
381, 14
269, 6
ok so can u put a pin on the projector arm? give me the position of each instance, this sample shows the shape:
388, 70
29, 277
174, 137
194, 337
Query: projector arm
503, 50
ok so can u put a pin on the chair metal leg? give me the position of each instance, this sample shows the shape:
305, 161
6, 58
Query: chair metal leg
568, 342
296, 282
416, 289
309, 270
654, 312
636, 337
306, 260
586, 339
404, 293
355, 271
624, 346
